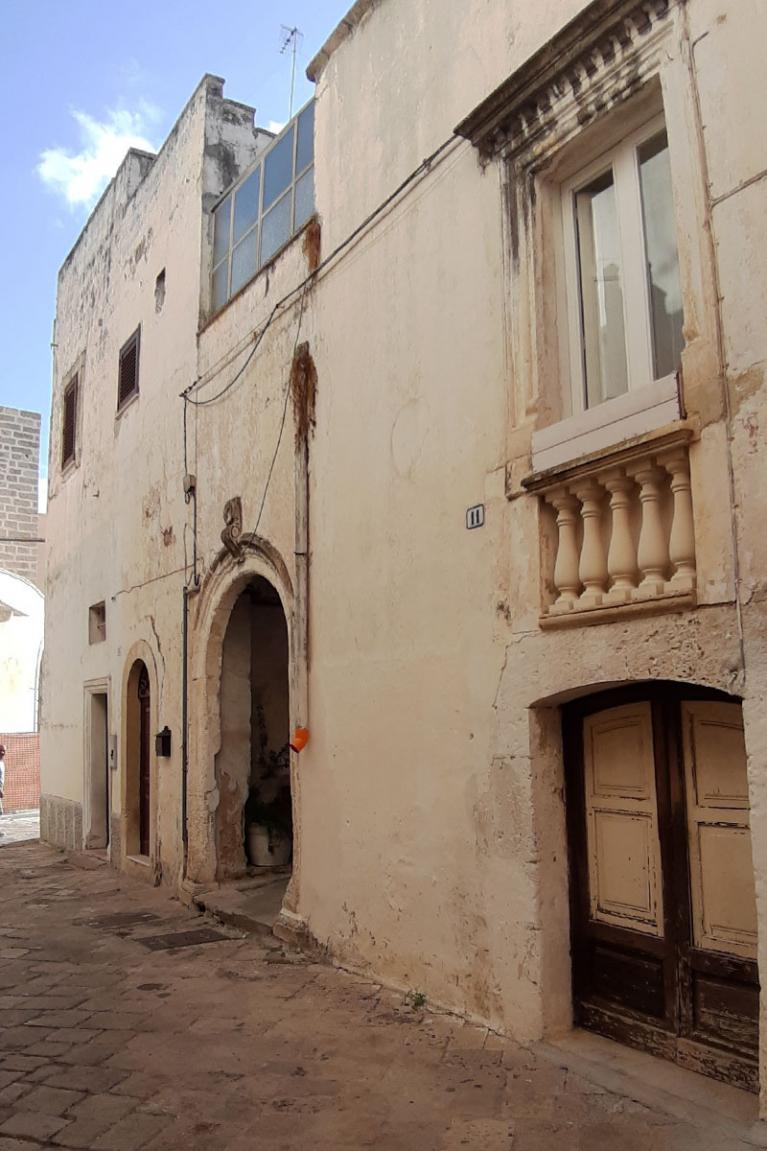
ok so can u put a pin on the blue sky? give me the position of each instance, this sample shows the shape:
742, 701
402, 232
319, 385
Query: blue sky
80, 80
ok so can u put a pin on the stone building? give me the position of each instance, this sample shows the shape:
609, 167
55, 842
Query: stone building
434, 426
19, 482
21, 572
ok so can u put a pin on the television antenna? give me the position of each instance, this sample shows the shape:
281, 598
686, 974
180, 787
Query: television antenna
290, 41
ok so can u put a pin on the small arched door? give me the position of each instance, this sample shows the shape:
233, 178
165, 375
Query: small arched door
254, 818
662, 881
144, 775
138, 762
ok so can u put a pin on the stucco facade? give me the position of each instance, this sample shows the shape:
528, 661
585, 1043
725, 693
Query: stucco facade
356, 410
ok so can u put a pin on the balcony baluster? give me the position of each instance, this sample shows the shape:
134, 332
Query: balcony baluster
682, 541
592, 568
566, 579
652, 553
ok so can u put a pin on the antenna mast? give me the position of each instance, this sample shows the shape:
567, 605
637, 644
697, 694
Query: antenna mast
290, 39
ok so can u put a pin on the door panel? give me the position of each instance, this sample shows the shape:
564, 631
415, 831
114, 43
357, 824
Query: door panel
723, 890
658, 807
726, 1011
622, 819
625, 977
721, 869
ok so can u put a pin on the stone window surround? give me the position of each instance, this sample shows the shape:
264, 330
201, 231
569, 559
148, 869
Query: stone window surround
605, 74
578, 431
77, 371
126, 398
97, 624
70, 406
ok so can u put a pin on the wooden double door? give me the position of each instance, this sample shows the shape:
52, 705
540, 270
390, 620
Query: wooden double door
662, 880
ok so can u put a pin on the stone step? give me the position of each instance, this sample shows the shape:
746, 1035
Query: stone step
252, 907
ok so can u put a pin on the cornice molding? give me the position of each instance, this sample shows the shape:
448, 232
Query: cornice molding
597, 59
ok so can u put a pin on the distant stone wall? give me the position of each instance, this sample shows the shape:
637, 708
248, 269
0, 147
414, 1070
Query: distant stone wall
22, 771
19, 466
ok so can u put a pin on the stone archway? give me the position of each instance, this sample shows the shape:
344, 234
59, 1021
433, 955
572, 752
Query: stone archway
210, 613
252, 769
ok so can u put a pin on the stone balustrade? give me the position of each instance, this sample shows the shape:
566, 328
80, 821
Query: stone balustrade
624, 532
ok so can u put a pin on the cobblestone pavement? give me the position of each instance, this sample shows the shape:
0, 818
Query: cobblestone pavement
111, 1044
19, 826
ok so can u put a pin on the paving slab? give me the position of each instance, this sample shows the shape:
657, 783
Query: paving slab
19, 827
238, 1043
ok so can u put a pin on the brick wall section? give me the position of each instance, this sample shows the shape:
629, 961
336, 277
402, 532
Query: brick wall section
22, 771
19, 467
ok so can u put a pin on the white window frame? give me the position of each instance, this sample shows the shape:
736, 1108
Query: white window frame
624, 161
648, 403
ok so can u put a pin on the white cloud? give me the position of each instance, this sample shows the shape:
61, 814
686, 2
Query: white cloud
80, 177
275, 126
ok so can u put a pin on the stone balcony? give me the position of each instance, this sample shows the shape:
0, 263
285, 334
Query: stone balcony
619, 532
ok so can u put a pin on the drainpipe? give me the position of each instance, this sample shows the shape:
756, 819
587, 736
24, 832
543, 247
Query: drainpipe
184, 731
190, 496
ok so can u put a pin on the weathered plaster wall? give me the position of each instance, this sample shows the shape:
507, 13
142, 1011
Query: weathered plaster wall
409, 816
438, 787
117, 519
422, 67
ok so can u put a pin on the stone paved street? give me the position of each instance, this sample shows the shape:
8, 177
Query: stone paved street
19, 827
111, 1045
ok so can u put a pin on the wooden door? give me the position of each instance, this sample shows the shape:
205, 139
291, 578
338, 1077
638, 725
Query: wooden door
719, 956
144, 806
664, 913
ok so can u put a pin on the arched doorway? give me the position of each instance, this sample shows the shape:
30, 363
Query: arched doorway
254, 829
138, 814
662, 882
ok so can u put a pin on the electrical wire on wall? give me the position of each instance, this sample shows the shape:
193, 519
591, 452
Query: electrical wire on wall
186, 395
190, 398
300, 291
259, 332
190, 496
284, 410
